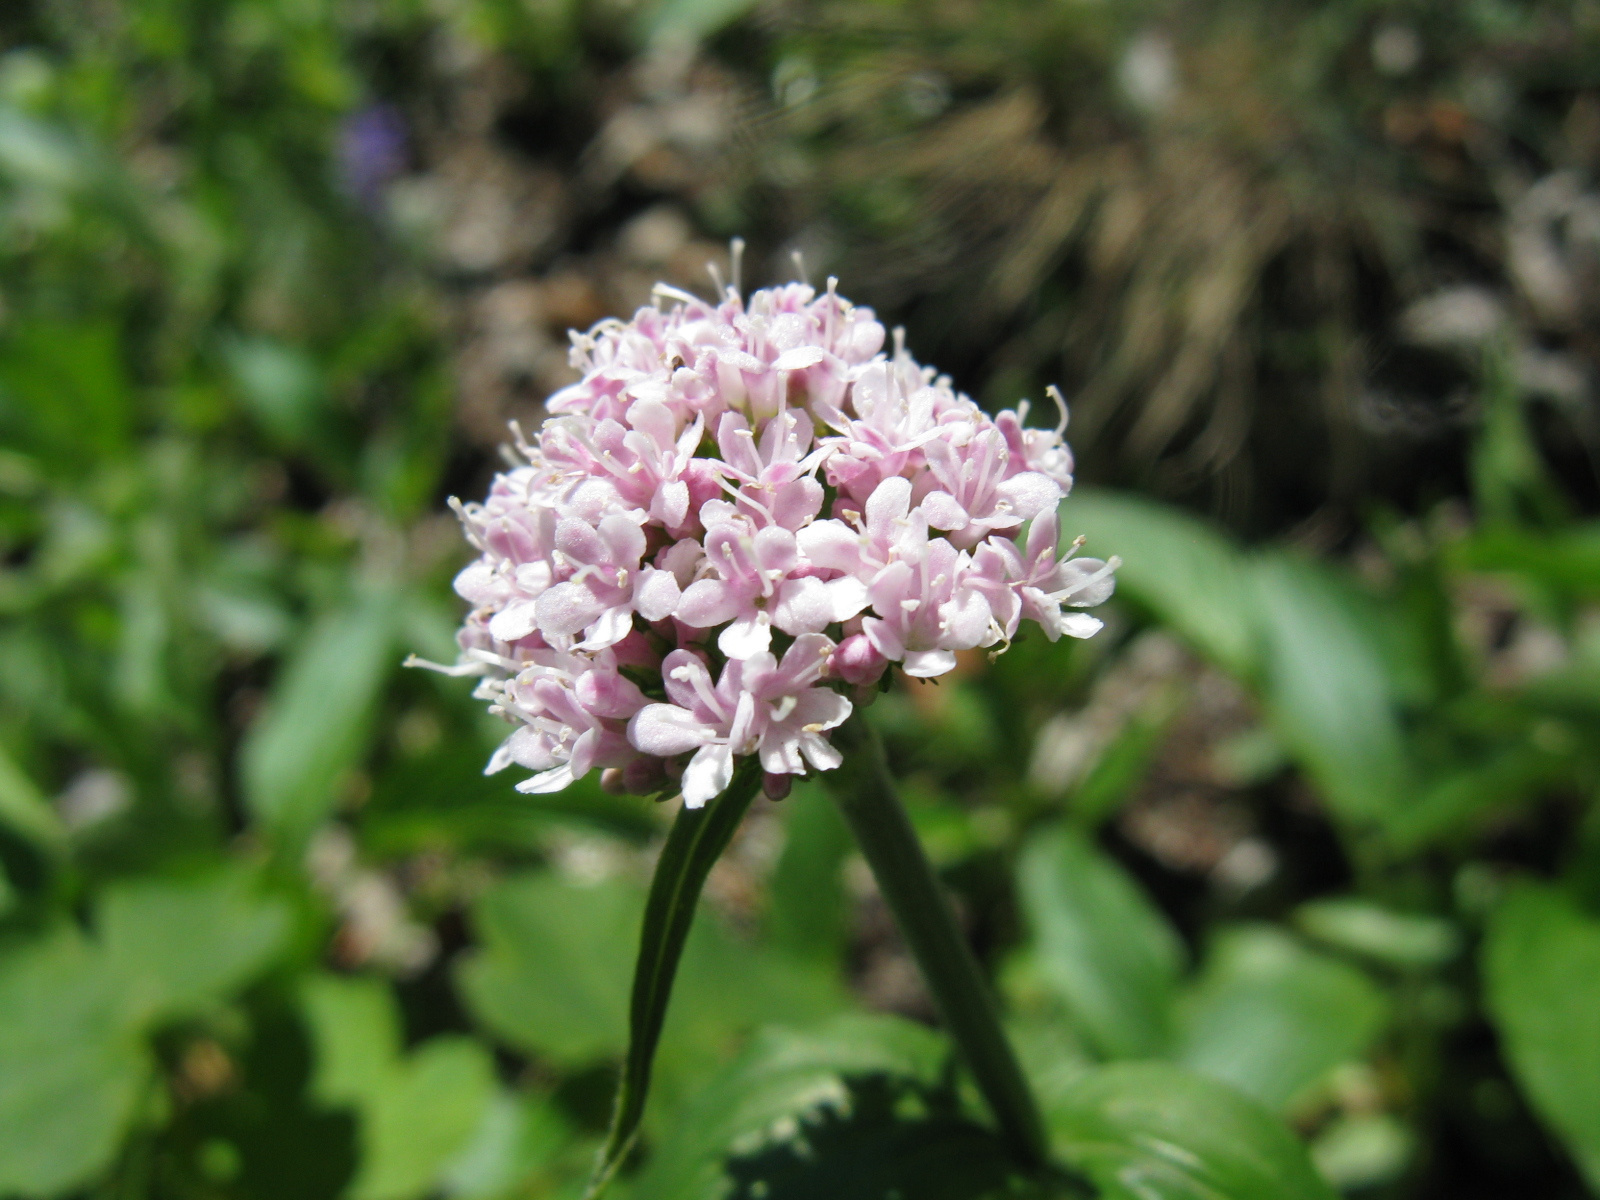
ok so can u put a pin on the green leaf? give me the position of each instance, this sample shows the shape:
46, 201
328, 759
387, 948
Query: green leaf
356, 1028
73, 1061
698, 838
552, 974
25, 811
1100, 945
807, 914
72, 1068
177, 946
425, 1114
1179, 567
551, 977
691, 20
417, 1114
1541, 963
781, 1075
1326, 691
317, 718
519, 1138
1150, 1131
1272, 1017
1396, 939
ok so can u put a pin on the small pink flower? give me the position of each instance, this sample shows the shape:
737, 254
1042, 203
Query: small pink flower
759, 706
627, 528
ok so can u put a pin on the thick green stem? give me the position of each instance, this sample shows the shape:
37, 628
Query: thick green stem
866, 793
698, 838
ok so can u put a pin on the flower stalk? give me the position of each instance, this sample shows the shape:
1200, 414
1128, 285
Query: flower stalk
866, 795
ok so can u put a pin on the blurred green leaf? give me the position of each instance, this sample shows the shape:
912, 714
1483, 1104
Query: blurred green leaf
1326, 691
1362, 1150
782, 1075
73, 1063
25, 811
426, 1113
1271, 1017
1179, 567
1100, 945
552, 972
357, 1029
520, 1137
317, 717
177, 946
280, 384
1148, 1131
808, 907
72, 1068
416, 1113
1362, 927
1541, 964
676, 21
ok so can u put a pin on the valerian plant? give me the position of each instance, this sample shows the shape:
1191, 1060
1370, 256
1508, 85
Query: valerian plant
724, 537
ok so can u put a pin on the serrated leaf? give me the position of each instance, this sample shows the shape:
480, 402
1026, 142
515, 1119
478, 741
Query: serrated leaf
1541, 963
1150, 1131
781, 1075
1100, 946
416, 1113
1271, 1017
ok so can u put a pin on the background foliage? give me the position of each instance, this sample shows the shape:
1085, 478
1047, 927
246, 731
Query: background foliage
1290, 879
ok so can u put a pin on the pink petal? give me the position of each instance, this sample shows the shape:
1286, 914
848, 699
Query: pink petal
656, 594
747, 636
706, 603
1030, 493
925, 664
804, 606
707, 776
666, 729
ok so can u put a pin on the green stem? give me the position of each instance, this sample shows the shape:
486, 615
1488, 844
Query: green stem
865, 792
697, 840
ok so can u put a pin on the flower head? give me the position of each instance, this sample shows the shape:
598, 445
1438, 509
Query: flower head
742, 515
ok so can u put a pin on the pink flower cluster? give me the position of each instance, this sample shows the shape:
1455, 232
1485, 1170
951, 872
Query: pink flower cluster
732, 525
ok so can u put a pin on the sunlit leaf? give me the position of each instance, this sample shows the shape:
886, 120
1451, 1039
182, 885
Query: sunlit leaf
1179, 567
356, 1028
1271, 1017
416, 1113
1149, 1131
1541, 962
782, 1075
1100, 945
427, 1111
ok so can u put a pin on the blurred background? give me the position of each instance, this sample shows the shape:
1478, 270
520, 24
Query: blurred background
1314, 817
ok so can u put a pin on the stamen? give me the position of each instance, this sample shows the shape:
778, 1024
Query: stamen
1061, 406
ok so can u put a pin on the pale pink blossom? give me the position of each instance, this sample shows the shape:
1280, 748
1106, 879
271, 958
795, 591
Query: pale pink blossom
663, 585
